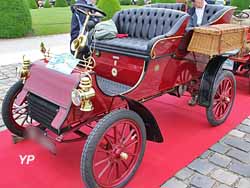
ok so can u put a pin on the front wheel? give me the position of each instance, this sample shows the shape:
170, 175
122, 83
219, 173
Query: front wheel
223, 96
16, 117
114, 150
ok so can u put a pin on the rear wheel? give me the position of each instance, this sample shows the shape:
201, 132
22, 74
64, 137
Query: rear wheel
114, 150
222, 98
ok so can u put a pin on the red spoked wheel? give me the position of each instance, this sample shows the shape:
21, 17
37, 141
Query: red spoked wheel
16, 117
114, 150
222, 98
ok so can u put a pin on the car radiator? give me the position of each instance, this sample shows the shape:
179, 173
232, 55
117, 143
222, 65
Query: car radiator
41, 110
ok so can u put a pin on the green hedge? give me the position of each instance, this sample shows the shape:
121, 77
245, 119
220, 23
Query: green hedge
15, 18
125, 2
241, 4
110, 7
140, 2
72, 2
164, 1
47, 4
32, 4
61, 3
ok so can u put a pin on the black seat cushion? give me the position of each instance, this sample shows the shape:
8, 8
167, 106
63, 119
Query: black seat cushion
144, 27
174, 6
130, 45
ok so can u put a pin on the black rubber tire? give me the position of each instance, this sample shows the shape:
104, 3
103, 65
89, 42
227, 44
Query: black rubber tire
6, 114
209, 110
94, 138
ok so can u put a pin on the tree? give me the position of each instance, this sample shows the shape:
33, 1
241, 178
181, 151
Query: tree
140, 2
47, 4
125, 2
110, 7
61, 3
164, 1
32, 4
15, 18
72, 2
241, 4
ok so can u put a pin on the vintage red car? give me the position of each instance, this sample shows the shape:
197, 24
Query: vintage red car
101, 100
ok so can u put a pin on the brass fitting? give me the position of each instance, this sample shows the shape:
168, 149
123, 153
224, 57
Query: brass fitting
84, 94
79, 43
46, 53
24, 71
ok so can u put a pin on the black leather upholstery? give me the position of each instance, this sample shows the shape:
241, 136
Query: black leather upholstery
144, 26
213, 12
173, 6
128, 45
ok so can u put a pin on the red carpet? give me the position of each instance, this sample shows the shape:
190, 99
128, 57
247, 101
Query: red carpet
186, 131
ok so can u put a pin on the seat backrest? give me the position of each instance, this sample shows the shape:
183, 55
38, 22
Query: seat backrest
173, 6
213, 12
147, 23
214, 2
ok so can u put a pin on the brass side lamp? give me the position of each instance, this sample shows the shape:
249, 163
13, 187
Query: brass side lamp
82, 96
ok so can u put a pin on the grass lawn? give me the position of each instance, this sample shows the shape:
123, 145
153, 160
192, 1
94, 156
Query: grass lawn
48, 21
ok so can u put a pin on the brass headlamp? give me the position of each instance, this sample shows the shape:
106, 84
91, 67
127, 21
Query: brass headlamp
24, 71
82, 96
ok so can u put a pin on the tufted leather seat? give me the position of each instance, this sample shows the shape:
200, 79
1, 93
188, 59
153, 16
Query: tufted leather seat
144, 26
173, 6
213, 12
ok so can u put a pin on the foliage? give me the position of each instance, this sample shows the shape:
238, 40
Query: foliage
49, 21
164, 1
32, 4
15, 18
61, 3
47, 4
140, 2
110, 7
72, 2
241, 4
125, 2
